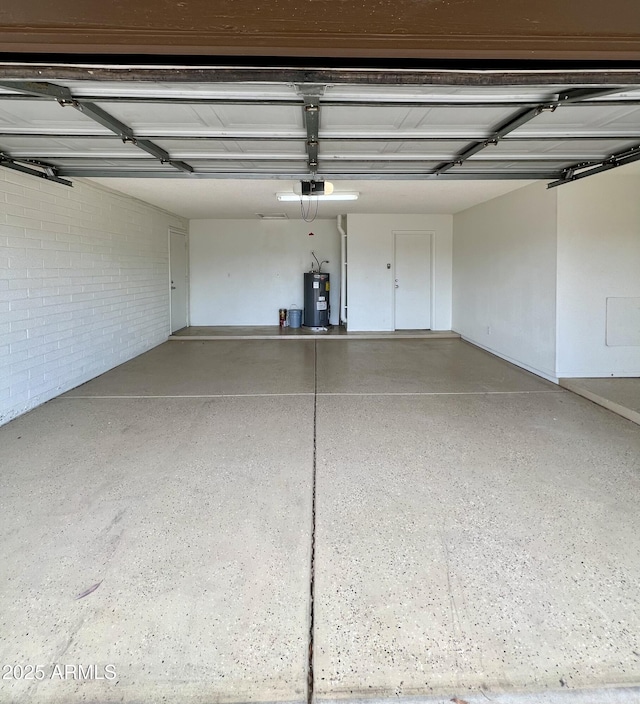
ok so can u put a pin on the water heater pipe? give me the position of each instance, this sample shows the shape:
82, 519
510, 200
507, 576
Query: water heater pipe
343, 270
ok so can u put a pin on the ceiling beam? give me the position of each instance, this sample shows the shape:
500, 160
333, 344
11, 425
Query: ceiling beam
522, 117
614, 161
65, 98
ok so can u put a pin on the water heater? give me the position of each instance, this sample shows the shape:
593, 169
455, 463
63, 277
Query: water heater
316, 300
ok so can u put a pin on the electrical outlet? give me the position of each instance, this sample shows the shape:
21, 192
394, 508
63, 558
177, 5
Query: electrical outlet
488, 329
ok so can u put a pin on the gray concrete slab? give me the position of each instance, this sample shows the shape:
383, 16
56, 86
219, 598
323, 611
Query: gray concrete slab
469, 545
622, 396
476, 537
210, 368
169, 538
419, 366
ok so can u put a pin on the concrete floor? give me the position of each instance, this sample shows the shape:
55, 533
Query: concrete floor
621, 395
477, 532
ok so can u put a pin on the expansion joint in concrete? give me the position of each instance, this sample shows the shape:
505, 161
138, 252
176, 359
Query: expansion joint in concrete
310, 674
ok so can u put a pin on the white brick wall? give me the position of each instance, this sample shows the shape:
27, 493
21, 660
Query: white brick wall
84, 285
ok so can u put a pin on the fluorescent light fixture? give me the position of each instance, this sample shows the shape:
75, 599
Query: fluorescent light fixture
295, 198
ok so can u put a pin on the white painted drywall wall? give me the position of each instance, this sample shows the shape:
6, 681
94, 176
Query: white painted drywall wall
598, 258
504, 277
243, 271
370, 247
84, 285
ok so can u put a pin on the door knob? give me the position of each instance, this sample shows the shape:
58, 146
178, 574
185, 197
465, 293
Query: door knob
397, 286
173, 288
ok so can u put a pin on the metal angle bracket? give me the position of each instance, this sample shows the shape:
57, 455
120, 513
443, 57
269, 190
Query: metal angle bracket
575, 172
312, 124
568, 97
311, 94
33, 168
65, 98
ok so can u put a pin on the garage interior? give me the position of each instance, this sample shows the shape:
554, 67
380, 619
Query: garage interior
435, 499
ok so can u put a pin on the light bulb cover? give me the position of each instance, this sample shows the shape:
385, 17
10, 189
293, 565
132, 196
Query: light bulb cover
295, 198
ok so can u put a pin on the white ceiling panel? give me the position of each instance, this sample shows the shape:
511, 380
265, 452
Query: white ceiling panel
154, 117
574, 149
591, 118
237, 198
530, 166
39, 145
444, 93
381, 167
44, 116
134, 161
259, 164
182, 148
426, 121
199, 91
426, 149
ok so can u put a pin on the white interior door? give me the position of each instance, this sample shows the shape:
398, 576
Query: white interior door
178, 268
412, 281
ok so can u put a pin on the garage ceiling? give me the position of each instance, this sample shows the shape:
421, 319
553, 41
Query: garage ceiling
70, 129
241, 199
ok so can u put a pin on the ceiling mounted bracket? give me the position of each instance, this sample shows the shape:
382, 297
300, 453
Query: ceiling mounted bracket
312, 125
311, 93
310, 90
575, 172
33, 168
